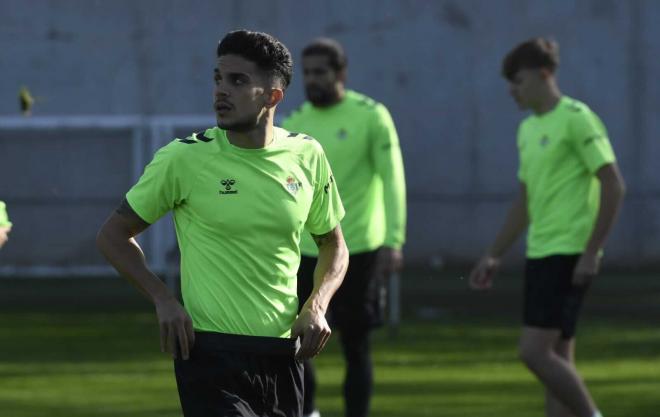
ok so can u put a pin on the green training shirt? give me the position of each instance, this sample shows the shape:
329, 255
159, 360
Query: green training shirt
239, 214
560, 152
4, 218
361, 142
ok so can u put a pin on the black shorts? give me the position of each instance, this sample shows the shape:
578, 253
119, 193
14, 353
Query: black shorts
551, 299
359, 303
240, 376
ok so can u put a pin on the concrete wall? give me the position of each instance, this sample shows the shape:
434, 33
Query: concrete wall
435, 64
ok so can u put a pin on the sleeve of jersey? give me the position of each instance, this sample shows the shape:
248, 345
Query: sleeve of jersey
158, 190
4, 218
386, 154
327, 209
589, 138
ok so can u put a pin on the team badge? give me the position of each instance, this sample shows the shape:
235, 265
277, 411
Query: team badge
292, 185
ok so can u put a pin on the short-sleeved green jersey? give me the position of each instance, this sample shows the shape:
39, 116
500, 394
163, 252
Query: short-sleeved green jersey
560, 152
4, 218
239, 214
361, 142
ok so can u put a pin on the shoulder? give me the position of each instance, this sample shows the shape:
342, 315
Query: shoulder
296, 114
576, 110
363, 102
526, 124
192, 148
300, 143
368, 108
573, 106
196, 142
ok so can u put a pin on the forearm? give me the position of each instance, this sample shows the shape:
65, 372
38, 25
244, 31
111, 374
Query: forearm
331, 266
611, 196
514, 225
126, 256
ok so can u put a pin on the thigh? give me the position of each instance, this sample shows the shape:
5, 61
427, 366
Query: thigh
538, 341
284, 386
551, 301
209, 385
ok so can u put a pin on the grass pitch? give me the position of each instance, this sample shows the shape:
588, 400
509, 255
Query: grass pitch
90, 348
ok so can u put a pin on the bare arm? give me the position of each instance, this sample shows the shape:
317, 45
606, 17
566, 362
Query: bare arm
116, 242
328, 275
514, 225
612, 190
4, 235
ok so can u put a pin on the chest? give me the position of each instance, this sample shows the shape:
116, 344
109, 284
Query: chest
544, 146
255, 195
343, 138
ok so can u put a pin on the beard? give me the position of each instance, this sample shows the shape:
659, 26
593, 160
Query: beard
319, 96
245, 124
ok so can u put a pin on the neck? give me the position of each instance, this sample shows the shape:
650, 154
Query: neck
548, 100
260, 137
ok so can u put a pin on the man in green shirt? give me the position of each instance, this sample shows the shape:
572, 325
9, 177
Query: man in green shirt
362, 145
5, 224
241, 195
570, 193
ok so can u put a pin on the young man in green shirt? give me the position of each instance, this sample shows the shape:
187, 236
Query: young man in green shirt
5, 224
241, 195
362, 145
570, 193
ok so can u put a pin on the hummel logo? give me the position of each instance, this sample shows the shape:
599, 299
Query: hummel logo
227, 184
327, 186
591, 139
544, 140
342, 134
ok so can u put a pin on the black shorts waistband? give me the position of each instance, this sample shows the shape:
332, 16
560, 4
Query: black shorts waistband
262, 345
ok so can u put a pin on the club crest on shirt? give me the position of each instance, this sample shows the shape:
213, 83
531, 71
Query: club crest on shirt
292, 185
544, 141
342, 134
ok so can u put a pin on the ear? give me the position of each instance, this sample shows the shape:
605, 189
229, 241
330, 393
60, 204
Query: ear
274, 97
341, 75
545, 73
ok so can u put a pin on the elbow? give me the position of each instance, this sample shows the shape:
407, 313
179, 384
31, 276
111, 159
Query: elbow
621, 187
343, 256
342, 250
618, 189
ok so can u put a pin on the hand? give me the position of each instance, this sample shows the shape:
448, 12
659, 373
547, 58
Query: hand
389, 260
586, 269
481, 277
175, 328
314, 331
4, 234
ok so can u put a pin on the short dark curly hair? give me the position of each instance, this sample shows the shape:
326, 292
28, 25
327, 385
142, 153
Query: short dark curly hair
330, 48
533, 53
268, 53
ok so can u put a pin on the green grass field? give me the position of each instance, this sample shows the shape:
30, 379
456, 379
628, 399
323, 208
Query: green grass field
90, 348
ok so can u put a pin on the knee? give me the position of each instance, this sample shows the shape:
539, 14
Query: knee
532, 356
